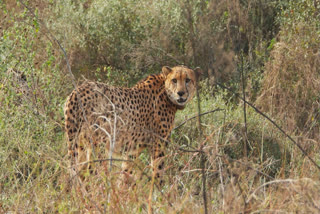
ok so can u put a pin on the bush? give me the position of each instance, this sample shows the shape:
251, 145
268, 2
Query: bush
31, 98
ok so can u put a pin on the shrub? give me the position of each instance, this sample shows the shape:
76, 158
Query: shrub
31, 99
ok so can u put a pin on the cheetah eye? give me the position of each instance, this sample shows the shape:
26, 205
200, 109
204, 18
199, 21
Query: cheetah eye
174, 80
187, 80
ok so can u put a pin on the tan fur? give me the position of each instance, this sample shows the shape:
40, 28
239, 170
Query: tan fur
125, 120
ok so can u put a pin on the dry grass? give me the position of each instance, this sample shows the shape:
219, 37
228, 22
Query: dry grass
274, 178
291, 86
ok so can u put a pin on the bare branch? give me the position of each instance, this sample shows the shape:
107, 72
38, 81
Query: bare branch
196, 116
273, 123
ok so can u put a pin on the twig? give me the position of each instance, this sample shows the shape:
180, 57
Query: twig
203, 158
197, 170
191, 151
245, 151
204, 181
221, 180
196, 116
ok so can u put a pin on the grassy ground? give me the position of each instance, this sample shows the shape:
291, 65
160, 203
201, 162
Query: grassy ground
249, 167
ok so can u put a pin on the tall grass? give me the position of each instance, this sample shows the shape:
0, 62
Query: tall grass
119, 42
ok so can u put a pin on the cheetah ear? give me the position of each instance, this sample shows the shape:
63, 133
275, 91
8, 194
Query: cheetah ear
198, 71
166, 70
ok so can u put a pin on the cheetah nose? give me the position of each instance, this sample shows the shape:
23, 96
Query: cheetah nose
180, 93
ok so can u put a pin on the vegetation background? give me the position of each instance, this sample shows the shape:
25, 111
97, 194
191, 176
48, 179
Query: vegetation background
267, 50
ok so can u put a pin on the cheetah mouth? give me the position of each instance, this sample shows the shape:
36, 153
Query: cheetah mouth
181, 100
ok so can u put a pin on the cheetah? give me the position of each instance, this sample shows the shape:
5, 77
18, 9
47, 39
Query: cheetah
103, 121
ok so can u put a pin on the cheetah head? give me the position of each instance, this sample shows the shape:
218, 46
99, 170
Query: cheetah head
180, 84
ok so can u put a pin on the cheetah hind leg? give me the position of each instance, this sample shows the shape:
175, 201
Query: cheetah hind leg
84, 159
131, 171
127, 177
157, 163
133, 168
